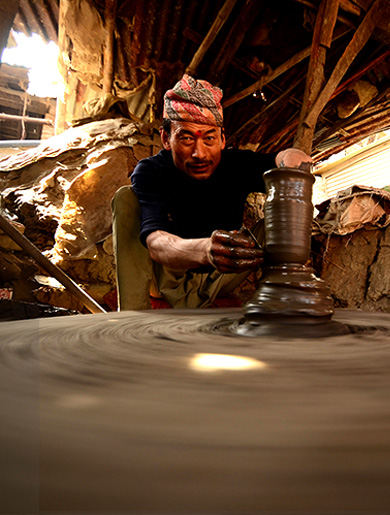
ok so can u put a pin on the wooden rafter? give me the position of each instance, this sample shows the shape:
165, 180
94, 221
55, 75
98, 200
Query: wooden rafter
272, 105
346, 123
311, 111
234, 39
270, 77
361, 72
266, 79
211, 35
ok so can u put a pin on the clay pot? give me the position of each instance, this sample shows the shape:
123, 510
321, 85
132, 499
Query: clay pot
289, 292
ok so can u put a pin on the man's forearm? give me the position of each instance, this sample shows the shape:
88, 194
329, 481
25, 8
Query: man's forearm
178, 253
228, 252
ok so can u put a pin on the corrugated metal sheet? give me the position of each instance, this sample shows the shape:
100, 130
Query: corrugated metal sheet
367, 167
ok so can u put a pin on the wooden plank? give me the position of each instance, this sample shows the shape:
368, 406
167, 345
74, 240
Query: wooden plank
8, 11
10, 99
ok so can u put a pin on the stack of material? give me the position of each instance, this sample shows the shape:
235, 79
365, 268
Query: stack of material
352, 244
61, 193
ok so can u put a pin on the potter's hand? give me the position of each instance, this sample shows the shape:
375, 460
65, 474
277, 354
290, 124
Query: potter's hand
293, 158
234, 251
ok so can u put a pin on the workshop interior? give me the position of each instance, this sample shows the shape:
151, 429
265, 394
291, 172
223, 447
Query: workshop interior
271, 399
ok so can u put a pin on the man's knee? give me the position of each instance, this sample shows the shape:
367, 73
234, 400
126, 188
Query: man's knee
124, 199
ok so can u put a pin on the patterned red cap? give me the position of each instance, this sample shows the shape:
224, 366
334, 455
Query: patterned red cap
195, 101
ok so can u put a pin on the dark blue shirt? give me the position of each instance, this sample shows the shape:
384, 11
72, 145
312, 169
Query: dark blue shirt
172, 201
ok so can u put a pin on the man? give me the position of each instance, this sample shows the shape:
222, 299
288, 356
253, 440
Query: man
192, 196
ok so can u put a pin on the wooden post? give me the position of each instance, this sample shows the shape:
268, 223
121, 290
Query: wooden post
211, 35
109, 25
63, 69
359, 39
315, 103
322, 39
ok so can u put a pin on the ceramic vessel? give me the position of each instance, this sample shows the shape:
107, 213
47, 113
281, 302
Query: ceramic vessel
289, 292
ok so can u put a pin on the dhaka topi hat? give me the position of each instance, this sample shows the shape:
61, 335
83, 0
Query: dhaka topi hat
195, 101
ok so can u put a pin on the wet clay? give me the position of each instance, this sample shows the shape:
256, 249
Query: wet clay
289, 293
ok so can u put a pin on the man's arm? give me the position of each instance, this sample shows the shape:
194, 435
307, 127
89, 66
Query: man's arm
178, 253
228, 252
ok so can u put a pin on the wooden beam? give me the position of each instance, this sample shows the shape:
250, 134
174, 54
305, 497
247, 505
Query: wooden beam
346, 5
278, 139
195, 37
211, 35
284, 96
234, 39
360, 72
290, 63
350, 7
347, 123
357, 42
322, 39
355, 136
271, 76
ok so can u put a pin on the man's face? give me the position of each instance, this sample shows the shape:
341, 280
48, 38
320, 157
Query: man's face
196, 149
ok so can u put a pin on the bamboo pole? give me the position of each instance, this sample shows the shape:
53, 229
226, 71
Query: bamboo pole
211, 35
50, 267
4, 116
109, 25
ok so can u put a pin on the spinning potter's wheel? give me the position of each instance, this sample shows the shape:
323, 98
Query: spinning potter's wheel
129, 412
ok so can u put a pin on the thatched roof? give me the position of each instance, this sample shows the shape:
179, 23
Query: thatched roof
257, 51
